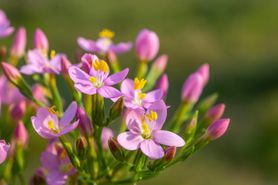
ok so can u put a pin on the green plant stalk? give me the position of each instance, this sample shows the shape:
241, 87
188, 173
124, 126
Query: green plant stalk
56, 97
74, 160
142, 69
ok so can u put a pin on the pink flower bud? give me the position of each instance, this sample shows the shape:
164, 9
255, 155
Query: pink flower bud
163, 85
161, 63
19, 43
11, 72
40, 40
216, 112
217, 128
84, 122
18, 110
20, 134
204, 72
147, 45
65, 64
192, 88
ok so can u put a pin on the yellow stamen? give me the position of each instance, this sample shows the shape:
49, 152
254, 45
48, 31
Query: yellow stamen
63, 154
107, 33
101, 65
52, 54
139, 84
51, 126
141, 95
152, 116
93, 79
146, 130
52, 110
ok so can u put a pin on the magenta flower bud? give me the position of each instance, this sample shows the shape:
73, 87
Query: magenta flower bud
216, 112
4, 149
19, 43
65, 64
163, 85
147, 45
84, 122
217, 128
20, 134
11, 72
204, 72
18, 110
40, 40
161, 62
192, 88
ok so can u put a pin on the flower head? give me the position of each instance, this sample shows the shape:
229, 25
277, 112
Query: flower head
47, 124
4, 149
134, 97
38, 63
19, 43
103, 44
163, 85
192, 88
5, 28
95, 78
40, 41
147, 45
217, 128
203, 70
56, 164
144, 131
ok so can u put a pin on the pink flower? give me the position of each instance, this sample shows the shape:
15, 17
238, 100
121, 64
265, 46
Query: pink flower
95, 78
203, 70
147, 45
38, 63
4, 149
134, 98
144, 131
104, 44
192, 88
56, 163
217, 128
5, 28
40, 41
161, 63
163, 85
19, 43
48, 126
216, 112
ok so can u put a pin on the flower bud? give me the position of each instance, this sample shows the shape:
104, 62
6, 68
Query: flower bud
116, 110
215, 112
192, 88
81, 143
19, 43
147, 45
11, 72
18, 110
170, 153
217, 128
38, 178
160, 63
116, 149
190, 129
4, 149
40, 40
163, 85
65, 64
84, 122
204, 72
20, 134
106, 134
3, 53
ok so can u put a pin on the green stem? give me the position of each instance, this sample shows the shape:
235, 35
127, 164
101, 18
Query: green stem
74, 160
55, 93
142, 69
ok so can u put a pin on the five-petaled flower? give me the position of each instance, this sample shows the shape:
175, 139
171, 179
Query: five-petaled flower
103, 44
47, 124
96, 79
144, 131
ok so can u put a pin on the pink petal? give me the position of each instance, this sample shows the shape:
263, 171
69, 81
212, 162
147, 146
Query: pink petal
153, 96
129, 140
86, 89
69, 114
121, 47
86, 44
127, 88
167, 138
117, 77
161, 109
79, 76
109, 92
69, 128
151, 149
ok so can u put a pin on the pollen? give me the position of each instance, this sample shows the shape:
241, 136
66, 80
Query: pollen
52, 54
152, 116
101, 65
107, 33
139, 84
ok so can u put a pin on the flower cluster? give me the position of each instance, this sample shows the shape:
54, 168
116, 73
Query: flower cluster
82, 146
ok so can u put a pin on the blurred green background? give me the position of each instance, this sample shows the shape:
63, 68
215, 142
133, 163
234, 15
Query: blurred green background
238, 38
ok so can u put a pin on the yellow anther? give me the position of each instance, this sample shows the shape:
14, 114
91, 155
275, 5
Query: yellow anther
101, 65
152, 116
52, 54
52, 110
93, 79
139, 84
63, 154
52, 127
107, 33
146, 130
66, 167
141, 95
